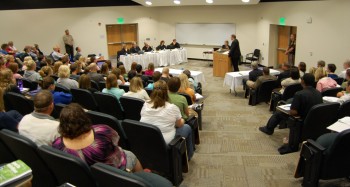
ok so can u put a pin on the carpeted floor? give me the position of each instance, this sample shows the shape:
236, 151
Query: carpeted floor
233, 152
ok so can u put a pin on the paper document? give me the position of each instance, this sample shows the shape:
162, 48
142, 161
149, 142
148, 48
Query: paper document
284, 108
328, 99
199, 96
226, 53
341, 125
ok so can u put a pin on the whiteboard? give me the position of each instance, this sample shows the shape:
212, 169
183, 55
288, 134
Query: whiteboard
204, 33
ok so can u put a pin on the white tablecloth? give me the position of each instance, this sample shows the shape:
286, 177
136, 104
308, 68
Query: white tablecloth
234, 79
197, 75
159, 58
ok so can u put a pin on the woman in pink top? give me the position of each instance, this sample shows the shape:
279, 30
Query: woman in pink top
326, 83
150, 70
14, 68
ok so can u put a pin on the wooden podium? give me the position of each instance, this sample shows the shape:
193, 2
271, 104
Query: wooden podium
221, 64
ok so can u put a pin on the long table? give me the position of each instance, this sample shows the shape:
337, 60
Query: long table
198, 76
158, 58
234, 79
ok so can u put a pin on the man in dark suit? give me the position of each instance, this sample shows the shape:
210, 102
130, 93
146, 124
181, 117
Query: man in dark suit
174, 44
134, 48
235, 52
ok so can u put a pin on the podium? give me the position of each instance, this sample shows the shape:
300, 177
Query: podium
221, 64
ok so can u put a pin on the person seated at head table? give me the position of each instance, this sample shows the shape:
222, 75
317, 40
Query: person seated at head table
266, 76
174, 44
346, 66
293, 79
155, 78
64, 80
166, 116
325, 83
137, 90
48, 83
226, 45
147, 47
161, 46
39, 126
302, 68
331, 71
319, 71
85, 83
112, 86
117, 73
92, 143
134, 48
150, 69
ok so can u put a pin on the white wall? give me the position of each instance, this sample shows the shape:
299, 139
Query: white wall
327, 37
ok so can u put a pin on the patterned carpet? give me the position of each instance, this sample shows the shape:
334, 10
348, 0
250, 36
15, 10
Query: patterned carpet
233, 152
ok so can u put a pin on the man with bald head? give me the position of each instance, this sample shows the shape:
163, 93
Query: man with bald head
165, 75
94, 76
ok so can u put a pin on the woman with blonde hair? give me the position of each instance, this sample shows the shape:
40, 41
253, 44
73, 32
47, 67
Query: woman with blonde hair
25, 60
45, 71
112, 86
166, 116
30, 73
117, 73
136, 89
10, 119
150, 70
56, 66
63, 74
185, 87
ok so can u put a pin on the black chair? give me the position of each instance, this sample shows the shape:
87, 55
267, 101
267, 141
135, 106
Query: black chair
110, 176
6, 155
102, 85
15, 101
339, 80
61, 88
109, 104
199, 112
288, 93
84, 98
147, 143
132, 107
94, 84
27, 151
29, 84
332, 92
199, 88
188, 98
66, 167
105, 119
262, 93
57, 110
344, 110
124, 87
253, 56
317, 162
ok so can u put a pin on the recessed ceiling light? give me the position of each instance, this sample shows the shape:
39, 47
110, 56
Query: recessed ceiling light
209, 1
148, 3
245, 1
177, 2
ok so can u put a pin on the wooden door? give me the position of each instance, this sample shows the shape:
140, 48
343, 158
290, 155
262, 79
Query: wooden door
118, 34
283, 42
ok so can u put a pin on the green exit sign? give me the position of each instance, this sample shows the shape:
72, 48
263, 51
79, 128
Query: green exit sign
120, 20
282, 21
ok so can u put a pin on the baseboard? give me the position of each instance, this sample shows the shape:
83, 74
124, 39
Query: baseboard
200, 59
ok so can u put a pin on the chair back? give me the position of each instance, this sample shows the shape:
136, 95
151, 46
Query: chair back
124, 87
6, 155
147, 143
105, 119
66, 167
102, 85
256, 53
27, 151
94, 84
84, 98
29, 84
318, 119
57, 110
188, 98
132, 107
15, 101
344, 110
332, 92
339, 80
110, 176
290, 90
336, 163
265, 90
109, 104
61, 88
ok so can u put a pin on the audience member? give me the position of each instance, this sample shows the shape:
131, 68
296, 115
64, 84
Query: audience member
331, 71
12, 47
75, 70
56, 53
346, 66
293, 79
45, 71
77, 54
85, 83
3, 49
344, 95
155, 78
56, 66
2, 63
165, 74
185, 87
134, 48
48, 83
92, 143
14, 68
31, 74
109, 64
63, 74
104, 69
112, 86
36, 46
320, 71
123, 72
166, 116
139, 74
180, 101
117, 73
150, 69
25, 61
39, 126
93, 73
325, 83
285, 73
255, 72
266, 76
65, 60
136, 89
132, 72
193, 83
147, 48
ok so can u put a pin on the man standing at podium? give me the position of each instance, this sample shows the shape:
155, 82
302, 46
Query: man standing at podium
235, 53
